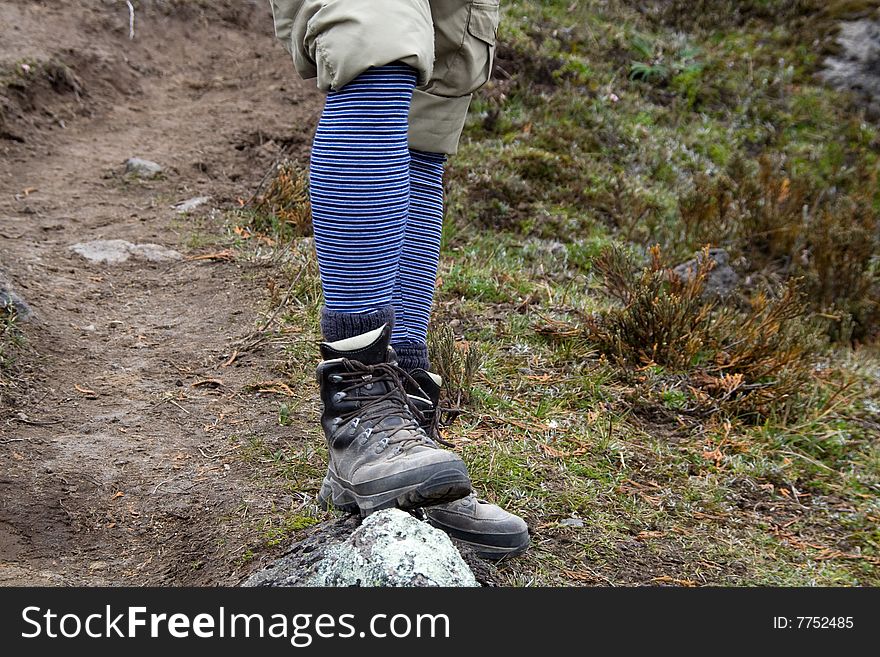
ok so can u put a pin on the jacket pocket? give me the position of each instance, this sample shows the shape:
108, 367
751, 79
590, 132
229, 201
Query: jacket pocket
461, 71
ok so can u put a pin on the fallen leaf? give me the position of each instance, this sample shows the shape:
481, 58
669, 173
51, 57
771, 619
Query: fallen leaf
85, 391
225, 255
666, 579
277, 387
646, 535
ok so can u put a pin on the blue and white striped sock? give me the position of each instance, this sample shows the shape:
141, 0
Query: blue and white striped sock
359, 182
419, 257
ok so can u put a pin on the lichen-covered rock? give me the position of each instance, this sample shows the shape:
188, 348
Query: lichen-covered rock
389, 548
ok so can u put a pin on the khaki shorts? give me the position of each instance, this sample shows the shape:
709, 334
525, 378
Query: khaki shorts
451, 43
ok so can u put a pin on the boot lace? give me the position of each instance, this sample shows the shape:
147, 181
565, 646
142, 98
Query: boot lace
379, 406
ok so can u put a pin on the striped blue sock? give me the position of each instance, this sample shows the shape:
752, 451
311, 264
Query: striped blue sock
419, 257
359, 181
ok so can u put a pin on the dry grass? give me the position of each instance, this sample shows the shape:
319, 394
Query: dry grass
458, 363
281, 207
786, 226
748, 361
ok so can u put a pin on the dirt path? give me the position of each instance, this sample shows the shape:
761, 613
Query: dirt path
114, 466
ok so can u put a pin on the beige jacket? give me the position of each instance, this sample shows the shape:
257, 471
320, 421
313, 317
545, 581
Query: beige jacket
451, 43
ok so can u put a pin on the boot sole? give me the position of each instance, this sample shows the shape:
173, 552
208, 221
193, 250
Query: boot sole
447, 485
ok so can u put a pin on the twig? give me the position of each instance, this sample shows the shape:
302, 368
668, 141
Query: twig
161, 483
254, 338
179, 406
808, 459
130, 20
13, 440
21, 417
218, 455
231, 359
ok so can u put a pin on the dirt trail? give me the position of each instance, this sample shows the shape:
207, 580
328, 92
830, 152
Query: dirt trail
136, 483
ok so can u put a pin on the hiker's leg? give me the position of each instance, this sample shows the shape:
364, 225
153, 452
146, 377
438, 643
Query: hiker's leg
359, 186
368, 56
419, 259
464, 37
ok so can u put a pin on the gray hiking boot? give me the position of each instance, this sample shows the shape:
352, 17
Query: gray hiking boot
491, 531
379, 455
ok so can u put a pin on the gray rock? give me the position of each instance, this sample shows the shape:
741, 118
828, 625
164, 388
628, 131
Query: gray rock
722, 279
389, 548
8, 297
141, 168
191, 204
116, 251
571, 522
857, 66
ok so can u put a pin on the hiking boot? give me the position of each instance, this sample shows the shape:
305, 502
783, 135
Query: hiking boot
379, 455
491, 531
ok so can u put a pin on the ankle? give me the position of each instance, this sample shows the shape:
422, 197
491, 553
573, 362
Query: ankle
336, 325
412, 355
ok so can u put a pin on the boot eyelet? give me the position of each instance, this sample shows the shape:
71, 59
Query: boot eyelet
336, 421
335, 378
354, 424
339, 396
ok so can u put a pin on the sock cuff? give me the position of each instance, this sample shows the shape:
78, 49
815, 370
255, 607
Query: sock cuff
337, 325
412, 355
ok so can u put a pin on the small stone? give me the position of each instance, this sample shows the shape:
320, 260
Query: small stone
191, 204
9, 298
142, 168
721, 281
116, 251
571, 522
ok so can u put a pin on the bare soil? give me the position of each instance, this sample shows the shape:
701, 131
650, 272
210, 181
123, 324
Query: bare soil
117, 458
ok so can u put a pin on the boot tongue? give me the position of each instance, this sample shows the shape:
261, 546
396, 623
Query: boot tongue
369, 348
